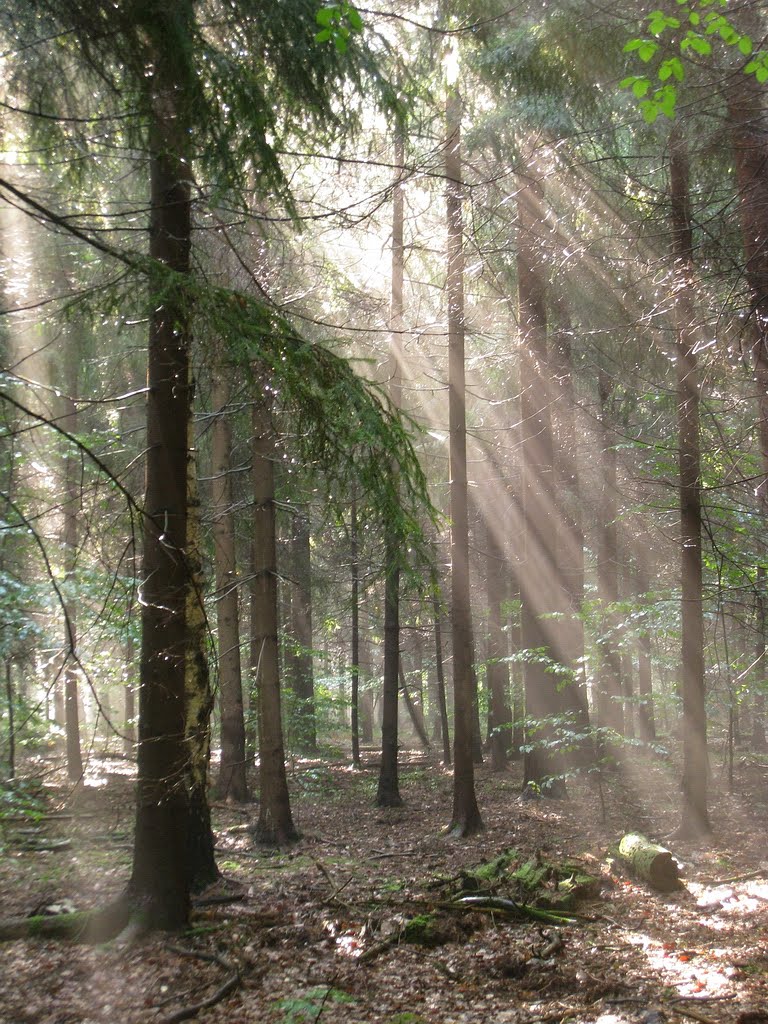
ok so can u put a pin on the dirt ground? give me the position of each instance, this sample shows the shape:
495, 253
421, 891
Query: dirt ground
318, 932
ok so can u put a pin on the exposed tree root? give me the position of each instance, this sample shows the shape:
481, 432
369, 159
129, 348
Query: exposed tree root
87, 926
232, 982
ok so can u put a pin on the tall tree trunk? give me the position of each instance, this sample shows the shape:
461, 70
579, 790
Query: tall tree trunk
413, 709
302, 672
610, 712
759, 744
465, 819
645, 714
160, 880
537, 577
198, 701
355, 638
275, 825
72, 507
388, 794
498, 666
442, 704
694, 816
232, 783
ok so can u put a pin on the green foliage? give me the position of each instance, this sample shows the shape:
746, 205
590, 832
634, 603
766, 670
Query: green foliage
691, 34
338, 22
308, 1007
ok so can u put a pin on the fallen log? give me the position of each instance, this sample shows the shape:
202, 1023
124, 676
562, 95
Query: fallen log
650, 862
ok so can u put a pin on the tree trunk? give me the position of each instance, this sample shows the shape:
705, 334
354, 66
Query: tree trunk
355, 638
645, 714
414, 712
610, 712
302, 673
388, 794
442, 704
694, 817
232, 783
199, 696
465, 819
275, 825
759, 744
72, 508
498, 666
160, 880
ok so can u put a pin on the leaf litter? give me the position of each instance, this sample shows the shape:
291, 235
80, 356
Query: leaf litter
375, 916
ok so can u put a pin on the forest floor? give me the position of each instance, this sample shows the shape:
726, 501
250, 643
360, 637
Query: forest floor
319, 933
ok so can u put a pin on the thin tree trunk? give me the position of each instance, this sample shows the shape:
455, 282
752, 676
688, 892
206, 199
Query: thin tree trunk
232, 783
388, 794
198, 698
72, 507
465, 819
442, 703
694, 816
645, 714
498, 666
355, 639
302, 671
414, 712
610, 713
11, 724
275, 825
759, 744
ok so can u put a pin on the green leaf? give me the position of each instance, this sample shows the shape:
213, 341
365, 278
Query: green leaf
340, 43
633, 44
694, 17
745, 45
323, 36
650, 111
327, 15
355, 19
698, 44
641, 87
647, 50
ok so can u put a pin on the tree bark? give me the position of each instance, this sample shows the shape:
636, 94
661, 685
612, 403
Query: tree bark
465, 819
275, 825
610, 695
232, 783
160, 880
388, 794
72, 508
301, 662
694, 814
498, 666
355, 637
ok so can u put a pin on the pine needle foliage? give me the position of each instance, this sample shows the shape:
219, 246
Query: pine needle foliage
250, 72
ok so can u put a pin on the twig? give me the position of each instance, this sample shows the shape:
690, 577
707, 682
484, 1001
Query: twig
735, 878
381, 854
692, 1014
